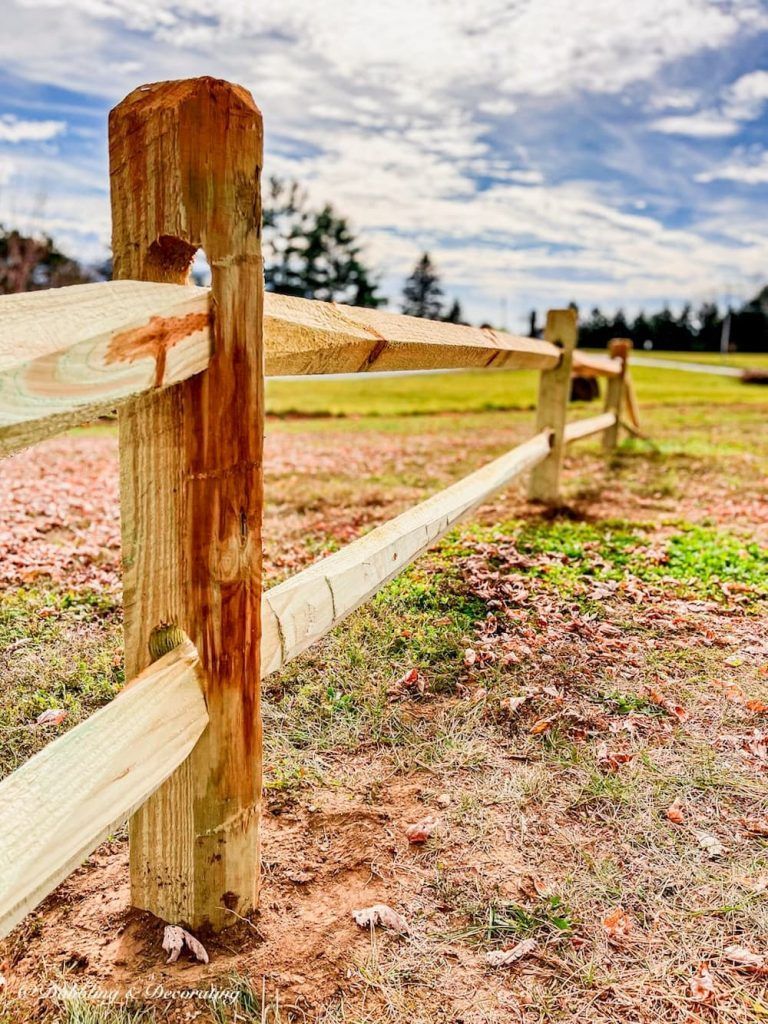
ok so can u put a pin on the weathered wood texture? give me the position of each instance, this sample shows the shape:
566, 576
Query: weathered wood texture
67, 799
630, 401
588, 428
185, 163
618, 349
305, 607
71, 354
554, 388
585, 364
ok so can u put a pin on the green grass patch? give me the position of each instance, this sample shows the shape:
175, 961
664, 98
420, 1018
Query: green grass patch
57, 650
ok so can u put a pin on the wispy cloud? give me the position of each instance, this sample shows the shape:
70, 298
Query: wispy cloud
14, 130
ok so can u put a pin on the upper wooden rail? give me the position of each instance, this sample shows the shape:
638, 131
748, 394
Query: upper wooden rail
64, 801
70, 354
588, 365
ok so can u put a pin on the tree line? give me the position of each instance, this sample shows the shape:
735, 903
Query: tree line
699, 330
312, 252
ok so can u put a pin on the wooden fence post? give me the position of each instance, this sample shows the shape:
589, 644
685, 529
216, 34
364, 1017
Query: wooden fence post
552, 408
618, 348
185, 162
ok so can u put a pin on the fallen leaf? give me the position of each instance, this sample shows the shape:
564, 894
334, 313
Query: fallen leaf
612, 759
420, 832
174, 940
541, 726
53, 716
734, 660
618, 925
676, 811
755, 826
711, 844
702, 985
380, 913
513, 703
758, 706
411, 681
506, 957
744, 957
470, 657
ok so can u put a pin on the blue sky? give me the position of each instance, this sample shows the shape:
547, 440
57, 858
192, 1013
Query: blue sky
542, 150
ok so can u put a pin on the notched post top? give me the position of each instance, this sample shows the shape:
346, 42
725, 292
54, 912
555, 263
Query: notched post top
202, 138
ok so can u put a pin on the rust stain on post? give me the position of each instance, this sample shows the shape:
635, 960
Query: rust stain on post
186, 161
154, 340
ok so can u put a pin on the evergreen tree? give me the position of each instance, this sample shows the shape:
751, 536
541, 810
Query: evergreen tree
422, 294
455, 314
312, 253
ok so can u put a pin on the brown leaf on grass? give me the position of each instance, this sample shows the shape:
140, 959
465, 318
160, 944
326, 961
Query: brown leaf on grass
380, 913
542, 725
174, 940
53, 716
411, 682
702, 986
470, 657
755, 826
618, 925
506, 957
677, 710
676, 811
612, 759
421, 831
759, 707
752, 962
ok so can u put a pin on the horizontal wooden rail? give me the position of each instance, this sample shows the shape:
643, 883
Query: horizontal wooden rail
587, 365
58, 807
70, 354
304, 608
307, 337
587, 428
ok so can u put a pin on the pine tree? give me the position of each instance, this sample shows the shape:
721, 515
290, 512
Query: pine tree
455, 314
312, 253
422, 294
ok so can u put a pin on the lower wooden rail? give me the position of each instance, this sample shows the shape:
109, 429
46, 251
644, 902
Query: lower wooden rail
67, 799
587, 428
304, 608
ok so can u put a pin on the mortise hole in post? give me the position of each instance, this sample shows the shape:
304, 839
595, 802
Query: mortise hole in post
170, 257
165, 638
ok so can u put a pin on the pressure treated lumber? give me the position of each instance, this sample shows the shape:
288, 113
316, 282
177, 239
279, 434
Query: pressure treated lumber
580, 429
71, 354
552, 406
185, 161
308, 337
304, 608
587, 365
58, 807
618, 349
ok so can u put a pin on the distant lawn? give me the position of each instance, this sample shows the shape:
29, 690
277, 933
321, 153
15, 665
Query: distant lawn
489, 390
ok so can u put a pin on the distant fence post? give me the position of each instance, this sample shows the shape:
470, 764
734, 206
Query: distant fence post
554, 390
618, 348
185, 162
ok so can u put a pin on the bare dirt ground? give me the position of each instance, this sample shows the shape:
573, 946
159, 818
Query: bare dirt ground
575, 704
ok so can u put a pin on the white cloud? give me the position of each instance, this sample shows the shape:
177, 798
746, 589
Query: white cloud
745, 98
741, 169
14, 130
705, 125
742, 101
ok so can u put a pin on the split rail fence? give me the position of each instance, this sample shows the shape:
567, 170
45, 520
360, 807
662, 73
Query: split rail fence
178, 752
